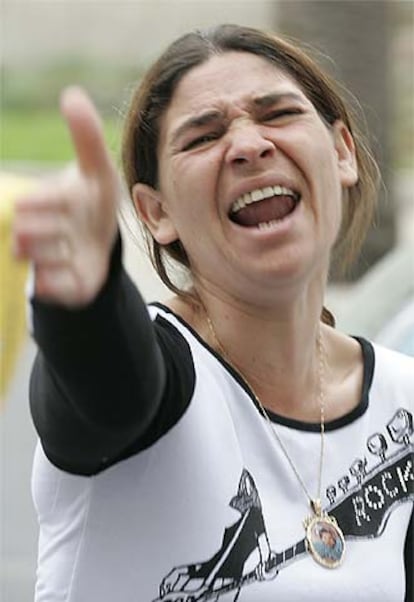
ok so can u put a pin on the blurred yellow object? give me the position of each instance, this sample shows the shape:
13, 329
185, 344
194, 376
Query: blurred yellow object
13, 276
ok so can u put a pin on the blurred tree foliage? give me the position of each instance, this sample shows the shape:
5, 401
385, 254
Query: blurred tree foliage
402, 86
370, 48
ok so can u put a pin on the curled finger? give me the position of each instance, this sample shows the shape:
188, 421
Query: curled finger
49, 252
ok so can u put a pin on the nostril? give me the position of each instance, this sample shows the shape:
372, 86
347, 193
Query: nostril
243, 159
248, 147
266, 152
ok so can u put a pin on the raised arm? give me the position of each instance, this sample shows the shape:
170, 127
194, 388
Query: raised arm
99, 378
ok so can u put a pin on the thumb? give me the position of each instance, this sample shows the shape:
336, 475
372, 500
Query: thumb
86, 130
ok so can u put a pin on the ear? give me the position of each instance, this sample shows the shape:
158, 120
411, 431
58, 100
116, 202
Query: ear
345, 150
150, 208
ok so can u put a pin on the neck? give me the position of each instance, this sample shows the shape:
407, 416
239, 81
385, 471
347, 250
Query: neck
275, 350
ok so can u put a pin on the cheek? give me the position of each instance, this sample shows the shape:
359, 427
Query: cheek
168, 180
333, 216
328, 194
192, 183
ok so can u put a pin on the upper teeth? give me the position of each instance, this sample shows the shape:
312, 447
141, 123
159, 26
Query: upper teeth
259, 195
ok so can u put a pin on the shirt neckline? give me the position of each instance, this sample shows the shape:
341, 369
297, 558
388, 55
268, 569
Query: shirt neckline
368, 355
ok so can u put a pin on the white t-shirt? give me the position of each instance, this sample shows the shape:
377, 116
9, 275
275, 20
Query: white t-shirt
190, 518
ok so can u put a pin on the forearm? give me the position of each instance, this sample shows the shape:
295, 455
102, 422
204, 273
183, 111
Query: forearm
99, 369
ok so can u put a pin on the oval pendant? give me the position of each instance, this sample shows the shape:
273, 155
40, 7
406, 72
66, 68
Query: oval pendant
325, 541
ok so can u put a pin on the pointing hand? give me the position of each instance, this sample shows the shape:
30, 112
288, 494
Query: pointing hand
68, 225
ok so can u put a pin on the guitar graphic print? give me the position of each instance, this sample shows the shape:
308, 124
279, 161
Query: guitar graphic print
362, 512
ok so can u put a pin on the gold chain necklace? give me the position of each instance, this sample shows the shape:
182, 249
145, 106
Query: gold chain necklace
324, 538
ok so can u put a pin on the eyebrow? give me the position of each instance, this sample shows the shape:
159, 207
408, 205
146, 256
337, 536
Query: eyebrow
197, 121
212, 116
273, 98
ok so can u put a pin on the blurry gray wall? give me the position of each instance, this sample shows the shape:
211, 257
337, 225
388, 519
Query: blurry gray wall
133, 31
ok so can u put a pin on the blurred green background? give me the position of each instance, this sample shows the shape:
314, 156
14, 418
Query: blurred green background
31, 128
31, 125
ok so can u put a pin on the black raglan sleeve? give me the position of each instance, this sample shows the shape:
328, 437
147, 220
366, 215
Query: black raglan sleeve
106, 382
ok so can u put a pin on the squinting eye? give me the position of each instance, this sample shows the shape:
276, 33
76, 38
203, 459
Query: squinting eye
204, 139
281, 113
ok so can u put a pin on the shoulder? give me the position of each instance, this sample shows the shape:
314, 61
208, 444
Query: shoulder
171, 325
173, 336
399, 365
188, 347
393, 379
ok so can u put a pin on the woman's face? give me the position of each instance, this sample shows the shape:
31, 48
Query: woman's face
251, 178
328, 539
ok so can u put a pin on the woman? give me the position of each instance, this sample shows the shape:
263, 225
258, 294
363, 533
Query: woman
192, 451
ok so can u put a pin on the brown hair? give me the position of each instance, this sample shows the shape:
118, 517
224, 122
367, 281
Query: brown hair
152, 97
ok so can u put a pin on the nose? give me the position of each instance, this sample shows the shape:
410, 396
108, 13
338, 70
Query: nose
247, 145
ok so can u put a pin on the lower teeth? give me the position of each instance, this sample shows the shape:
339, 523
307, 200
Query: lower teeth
268, 225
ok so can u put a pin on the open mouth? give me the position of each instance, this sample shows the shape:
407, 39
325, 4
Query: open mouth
264, 207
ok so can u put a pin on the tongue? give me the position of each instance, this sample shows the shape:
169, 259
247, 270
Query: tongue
275, 208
